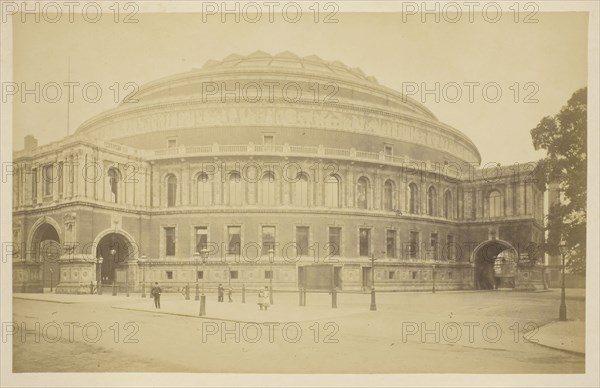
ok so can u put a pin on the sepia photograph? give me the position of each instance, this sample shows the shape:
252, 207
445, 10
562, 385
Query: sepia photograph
299, 193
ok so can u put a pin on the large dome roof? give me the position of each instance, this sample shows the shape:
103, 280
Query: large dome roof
290, 61
359, 107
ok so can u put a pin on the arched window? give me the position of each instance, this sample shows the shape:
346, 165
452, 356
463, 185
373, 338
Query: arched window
300, 191
388, 195
332, 191
413, 198
171, 190
431, 201
113, 185
448, 213
203, 190
362, 193
267, 189
235, 189
495, 203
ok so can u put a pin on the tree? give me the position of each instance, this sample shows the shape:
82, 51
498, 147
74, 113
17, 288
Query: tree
564, 137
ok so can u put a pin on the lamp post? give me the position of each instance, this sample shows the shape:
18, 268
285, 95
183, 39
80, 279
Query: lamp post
373, 303
143, 276
229, 276
433, 279
562, 311
113, 252
197, 259
51, 271
203, 297
271, 260
98, 275
127, 280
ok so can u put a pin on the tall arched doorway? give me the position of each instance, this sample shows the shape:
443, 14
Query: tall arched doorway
46, 249
114, 249
495, 265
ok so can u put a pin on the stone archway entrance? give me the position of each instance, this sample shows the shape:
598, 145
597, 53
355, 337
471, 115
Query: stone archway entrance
495, 265
46, 250
115, 250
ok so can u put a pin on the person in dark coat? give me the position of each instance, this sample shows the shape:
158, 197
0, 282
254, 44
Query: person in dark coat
156, 291
229, 292
220, 292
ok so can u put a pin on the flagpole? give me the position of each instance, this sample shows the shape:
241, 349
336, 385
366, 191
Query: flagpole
68, 94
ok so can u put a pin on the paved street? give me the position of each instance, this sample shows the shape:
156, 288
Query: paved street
485, 332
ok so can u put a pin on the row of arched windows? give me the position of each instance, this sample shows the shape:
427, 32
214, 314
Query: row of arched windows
300, 194
431, 202
234, 191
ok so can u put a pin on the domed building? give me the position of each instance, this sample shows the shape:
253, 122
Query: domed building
278, 170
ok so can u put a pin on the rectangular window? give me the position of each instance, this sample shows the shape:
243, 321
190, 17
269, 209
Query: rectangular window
34, 186
268, 274
169, 274
391, 275
201, 238
413, 245
388, 150
302, 240
60, 178
268, 139
433, 244
390, 243
200, 275
413, 274
233, 274
171, 143
335, 241
268, 239
234, 240
364, 240
47, 177
449, 275
170, 241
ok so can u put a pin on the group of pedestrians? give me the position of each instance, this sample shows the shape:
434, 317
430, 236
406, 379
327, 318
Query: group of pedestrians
221, 293
264, 295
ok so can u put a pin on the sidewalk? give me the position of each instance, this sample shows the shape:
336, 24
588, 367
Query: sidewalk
568, 336
241, 312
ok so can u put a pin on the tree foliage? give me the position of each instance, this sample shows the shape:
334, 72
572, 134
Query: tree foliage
564, 137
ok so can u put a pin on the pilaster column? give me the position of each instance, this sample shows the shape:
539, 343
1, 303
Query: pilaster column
155, 187
377, 186
185, 183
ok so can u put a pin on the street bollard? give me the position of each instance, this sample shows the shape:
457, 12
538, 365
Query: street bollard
300, 297
373, 304
114, 290
243, 293
304, 297
143, 290
187, 291
202, 305
334, 299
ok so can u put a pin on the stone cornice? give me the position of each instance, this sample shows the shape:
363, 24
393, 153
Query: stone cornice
307, 212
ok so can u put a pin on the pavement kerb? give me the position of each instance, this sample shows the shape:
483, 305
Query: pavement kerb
574, 352
206, 317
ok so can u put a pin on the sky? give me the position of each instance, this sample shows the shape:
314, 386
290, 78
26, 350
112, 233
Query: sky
544, 61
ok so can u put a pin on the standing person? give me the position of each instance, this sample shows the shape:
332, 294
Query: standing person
220, 292
260, 299
229, 292
156, 291
266, 298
